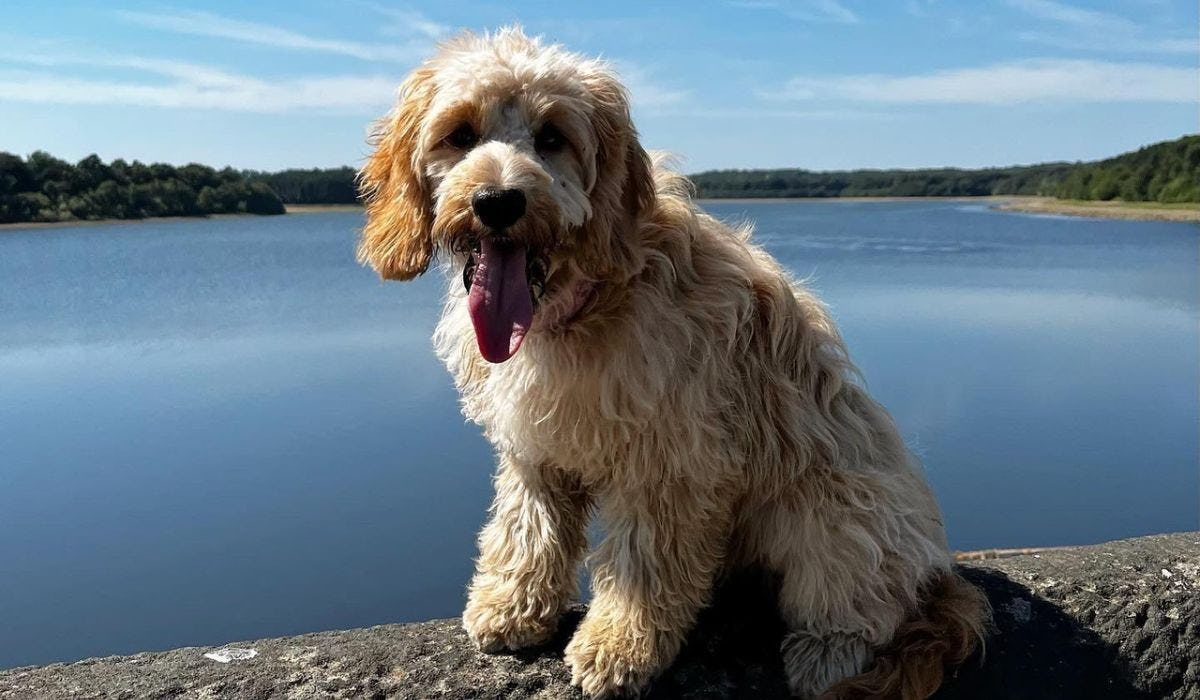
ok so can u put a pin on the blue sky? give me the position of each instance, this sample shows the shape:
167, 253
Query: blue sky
818, 84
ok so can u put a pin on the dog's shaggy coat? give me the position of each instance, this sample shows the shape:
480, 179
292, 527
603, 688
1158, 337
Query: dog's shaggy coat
674, 378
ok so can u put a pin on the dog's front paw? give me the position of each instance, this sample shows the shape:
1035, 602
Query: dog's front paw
608, 659
494, 625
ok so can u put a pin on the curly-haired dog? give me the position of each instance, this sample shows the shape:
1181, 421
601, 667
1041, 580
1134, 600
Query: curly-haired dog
670, 375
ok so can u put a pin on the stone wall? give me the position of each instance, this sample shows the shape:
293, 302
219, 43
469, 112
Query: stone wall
1118, 620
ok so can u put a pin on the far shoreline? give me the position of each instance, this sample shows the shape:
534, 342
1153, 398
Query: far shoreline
1187, 212
1130, 211
26, 225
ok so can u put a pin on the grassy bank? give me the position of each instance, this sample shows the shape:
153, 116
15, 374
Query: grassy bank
290, 209
320, 208
20, 225
847, 199
1140, 211
1144, 211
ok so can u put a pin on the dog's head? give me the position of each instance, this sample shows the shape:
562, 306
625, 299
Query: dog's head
517, 160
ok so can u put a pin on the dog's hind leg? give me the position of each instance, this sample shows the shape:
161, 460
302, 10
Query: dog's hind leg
529, 553
814, 661
841, 595
824, 646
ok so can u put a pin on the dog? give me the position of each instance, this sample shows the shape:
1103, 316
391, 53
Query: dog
628, 354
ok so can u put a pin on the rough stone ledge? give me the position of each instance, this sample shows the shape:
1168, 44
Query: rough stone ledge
1117, 620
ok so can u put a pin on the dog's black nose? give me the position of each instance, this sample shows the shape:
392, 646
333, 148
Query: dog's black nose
498, 209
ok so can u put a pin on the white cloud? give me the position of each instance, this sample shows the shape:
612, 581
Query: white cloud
190, 72
336, 93
918, 8
754, 114
44, 77
1068, 14
207, 24
1094, 30
191, 86
645, 92
408, 22
821, 11
1038, 80
197, 86
1123, 43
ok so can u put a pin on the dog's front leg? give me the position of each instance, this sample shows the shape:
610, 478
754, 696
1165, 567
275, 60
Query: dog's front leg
528, 557
652, 575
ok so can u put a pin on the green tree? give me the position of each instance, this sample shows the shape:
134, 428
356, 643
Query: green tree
15, 175
262, 200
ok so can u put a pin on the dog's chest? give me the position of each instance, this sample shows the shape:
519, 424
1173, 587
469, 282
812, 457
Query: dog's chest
585, 411
567, 420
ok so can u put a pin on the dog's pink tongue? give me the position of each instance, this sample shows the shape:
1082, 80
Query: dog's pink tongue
499, 302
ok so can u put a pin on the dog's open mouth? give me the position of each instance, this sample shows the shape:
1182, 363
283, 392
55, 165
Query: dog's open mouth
502, 282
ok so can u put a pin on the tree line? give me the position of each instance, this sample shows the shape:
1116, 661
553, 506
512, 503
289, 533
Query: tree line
942, 182
1164, 172
44, 188
314, 186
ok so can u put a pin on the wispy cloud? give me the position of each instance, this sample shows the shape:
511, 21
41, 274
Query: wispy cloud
822, 11
190, 85
199, 86
746, 114
1125, 44
918, 8
1038, 80
41, 72
60, 56
198, 23
407, 22
1094, 30
645, 92
576, 32
1069, 14
350, 93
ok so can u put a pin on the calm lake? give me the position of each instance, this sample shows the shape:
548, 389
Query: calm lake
227, 429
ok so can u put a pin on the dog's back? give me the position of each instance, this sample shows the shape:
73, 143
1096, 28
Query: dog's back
832, 499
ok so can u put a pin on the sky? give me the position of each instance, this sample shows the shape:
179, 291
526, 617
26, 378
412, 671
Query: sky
818, 84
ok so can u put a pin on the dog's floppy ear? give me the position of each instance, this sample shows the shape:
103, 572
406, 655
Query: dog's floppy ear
623, 191
624, 171
639, 179
396, 240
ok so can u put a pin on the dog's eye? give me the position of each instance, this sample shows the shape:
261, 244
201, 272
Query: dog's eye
549, 139
463, 137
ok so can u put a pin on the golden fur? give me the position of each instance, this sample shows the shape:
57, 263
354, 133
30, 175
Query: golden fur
702, 401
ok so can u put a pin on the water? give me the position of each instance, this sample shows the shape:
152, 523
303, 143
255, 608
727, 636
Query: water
226, 429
